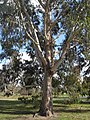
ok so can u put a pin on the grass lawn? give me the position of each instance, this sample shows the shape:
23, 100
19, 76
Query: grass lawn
73, 112
12, 109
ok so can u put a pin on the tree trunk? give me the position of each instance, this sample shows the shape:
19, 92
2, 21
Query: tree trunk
46, 107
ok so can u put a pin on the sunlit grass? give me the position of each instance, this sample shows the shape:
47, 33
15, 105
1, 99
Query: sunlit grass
71, 111
73, 116
8, 116
12, 108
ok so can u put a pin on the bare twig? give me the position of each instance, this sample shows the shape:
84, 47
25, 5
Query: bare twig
42, 5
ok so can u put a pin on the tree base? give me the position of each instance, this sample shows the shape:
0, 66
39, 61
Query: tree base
48, 114
45, 113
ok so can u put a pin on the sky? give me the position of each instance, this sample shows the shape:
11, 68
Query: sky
35, 2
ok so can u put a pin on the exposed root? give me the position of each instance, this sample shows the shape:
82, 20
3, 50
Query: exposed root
36, 114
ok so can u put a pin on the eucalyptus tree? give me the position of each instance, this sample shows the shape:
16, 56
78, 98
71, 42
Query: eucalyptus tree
41, 27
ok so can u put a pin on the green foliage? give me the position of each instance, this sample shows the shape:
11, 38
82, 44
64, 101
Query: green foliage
35, 101
86, 87
73, 21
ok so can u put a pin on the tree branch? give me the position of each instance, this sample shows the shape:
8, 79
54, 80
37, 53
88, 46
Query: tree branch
46, 18
40, 2
65, 48
61, 32
33, 31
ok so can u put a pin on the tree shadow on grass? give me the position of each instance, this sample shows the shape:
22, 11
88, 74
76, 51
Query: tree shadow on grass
16, 107
64, 106
18, 112
72, 110
62, 101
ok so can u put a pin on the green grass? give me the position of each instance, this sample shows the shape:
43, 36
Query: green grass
72, 112
13, 109
73, 116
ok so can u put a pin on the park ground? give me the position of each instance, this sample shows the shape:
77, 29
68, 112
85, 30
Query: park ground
13, 109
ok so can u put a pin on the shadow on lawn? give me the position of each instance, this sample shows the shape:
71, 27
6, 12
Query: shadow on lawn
64, 106
71, 110
16, 107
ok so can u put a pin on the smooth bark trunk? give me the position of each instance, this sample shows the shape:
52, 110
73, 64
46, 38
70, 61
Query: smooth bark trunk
46, 107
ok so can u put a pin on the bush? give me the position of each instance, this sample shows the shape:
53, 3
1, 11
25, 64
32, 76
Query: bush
23, 99
35, 101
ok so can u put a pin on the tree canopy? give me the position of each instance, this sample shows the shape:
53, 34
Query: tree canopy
41, 28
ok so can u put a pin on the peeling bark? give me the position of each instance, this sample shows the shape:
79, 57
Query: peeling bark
46, 107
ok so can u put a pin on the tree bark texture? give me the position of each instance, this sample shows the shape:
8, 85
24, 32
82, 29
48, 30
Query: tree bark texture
46, 107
